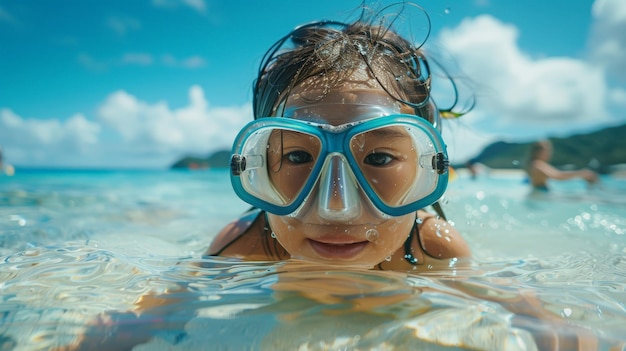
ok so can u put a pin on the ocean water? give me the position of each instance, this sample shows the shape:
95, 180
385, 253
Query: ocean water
85, 252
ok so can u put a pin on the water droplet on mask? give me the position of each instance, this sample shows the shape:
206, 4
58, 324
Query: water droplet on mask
371, 235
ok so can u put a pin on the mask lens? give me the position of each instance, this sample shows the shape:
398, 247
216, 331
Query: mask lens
395, 161
279, 161
291, 157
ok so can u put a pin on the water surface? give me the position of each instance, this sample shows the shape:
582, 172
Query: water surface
84, 247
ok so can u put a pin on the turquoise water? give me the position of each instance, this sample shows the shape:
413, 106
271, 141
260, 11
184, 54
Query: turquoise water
85, 246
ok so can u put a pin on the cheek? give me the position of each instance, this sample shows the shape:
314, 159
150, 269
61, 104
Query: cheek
393, 233
288, 233
393, 184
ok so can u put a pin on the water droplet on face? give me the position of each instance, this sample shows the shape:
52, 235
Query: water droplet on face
419, 221
388, 258
567, 312
273, 235
371, 235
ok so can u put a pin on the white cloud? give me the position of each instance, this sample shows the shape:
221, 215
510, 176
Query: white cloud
128, 132
156, 128
35, 141
608, 37
91, 63
194, 62
191, 62
141, 59
122, 24
524, 93
75, 131
617, 96
198, 5
6, 16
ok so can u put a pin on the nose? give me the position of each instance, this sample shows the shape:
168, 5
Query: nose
338, 191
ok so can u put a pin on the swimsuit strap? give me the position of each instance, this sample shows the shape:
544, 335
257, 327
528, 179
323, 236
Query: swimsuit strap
408, 254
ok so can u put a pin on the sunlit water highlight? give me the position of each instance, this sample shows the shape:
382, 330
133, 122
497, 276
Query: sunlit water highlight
77, 247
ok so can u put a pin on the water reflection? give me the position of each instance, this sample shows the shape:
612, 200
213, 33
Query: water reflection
60, 296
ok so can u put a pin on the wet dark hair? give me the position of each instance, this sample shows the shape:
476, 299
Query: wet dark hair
331, 50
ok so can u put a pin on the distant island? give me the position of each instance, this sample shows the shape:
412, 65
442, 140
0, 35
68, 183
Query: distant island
599, 150
218, 159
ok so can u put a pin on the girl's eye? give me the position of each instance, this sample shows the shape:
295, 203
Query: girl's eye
298, 157
378, 159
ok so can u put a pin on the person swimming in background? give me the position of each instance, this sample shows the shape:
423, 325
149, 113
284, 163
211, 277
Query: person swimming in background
540, 170
5, 167
343, 156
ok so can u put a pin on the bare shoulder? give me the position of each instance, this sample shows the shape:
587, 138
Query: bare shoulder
437, 241
242, 238
440, 239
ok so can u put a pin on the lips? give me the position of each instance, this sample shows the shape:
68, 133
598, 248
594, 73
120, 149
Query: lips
338, 250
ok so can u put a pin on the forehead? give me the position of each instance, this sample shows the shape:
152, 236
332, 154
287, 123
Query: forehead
340, 104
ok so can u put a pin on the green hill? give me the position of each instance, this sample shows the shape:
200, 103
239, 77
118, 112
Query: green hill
600, 150
218, 159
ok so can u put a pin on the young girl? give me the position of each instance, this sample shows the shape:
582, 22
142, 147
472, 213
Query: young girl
343, 155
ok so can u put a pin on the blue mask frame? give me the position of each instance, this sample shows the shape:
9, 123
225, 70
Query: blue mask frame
335, 139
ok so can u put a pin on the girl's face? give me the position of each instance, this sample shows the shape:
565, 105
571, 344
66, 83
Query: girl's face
366, 238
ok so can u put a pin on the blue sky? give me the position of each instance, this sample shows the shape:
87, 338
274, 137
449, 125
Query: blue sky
140, 83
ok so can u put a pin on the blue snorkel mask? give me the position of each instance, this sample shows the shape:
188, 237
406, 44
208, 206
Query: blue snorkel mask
395, 162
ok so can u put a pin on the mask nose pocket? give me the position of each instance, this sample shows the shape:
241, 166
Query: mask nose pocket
338, 197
